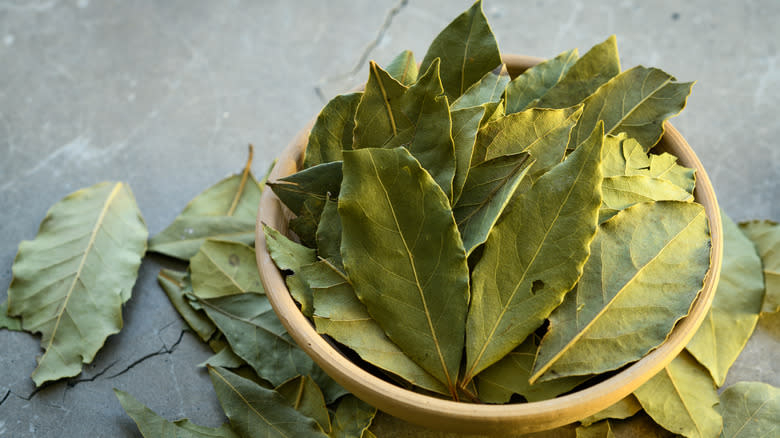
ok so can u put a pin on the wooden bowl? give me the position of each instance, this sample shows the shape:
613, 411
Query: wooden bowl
452, 416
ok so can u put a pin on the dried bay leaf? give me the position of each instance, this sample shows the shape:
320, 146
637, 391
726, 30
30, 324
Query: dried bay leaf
224, 358
306, 223
255, 411
291, 256
70, 282
176, 284
625, 408
519, 281
467, 49
387, 245
317, 183
226, 211
598, 430
8, 322
766, 237
223, 268
403, 68
681, 398
621, 192
750, 409
352, 419
734, 313
465, 124
151, 425
332, 131
486, 90
537, 80
646, 266
303, 394
329, 234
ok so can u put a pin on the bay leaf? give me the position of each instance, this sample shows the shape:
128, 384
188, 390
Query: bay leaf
681, 398
306, 223
509, 376
528, 131
465, 124
600, 64
388, 245
223, 268
493, 112
624, 408
318, 182
227, 211
621, 192
537, 80
598, 430
750, 409
339, 313
665, 166
255, 334
488, 189
734, 312
176, 284
255, 411
765, 235
467, 48
329, 234
520, 280
291, 256
403, 68
646, 266
332, 131
8, 322
488, 88
639, 425
303, 394
69, 283
636, 102
624, 156
224, 358
353, 417
151, 425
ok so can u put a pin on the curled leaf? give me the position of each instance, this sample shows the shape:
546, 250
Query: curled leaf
332, 131
353, 418
176, 285
537, 80
303, 394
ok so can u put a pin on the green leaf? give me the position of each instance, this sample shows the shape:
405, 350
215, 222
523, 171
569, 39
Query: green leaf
291, 256
329, 234
588, 73
468, 50
254, 411
226, 211
318, 182
69, 283
420, 258
639, 425
176, 285
403, 68
647, 264
681, 398
488, 89
488, 189
152, 425
339, 314
734, 313
255, 334
224, 358
598, 430
493, 112
534, 255
306, 223
465, 124
636, 102
510, 376
8, 322
353, 418
750, 409
621, 192
766, 237
625, 408
332, 132
303, 394
223, 268
537, 80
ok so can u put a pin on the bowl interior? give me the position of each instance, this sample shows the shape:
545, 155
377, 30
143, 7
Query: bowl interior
471, 418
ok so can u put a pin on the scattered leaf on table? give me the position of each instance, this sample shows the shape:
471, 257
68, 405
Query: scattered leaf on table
488, 89
750, 410
291, 256
467, 49
318, 183
647, 264
600, 64
332, 131
176, 284
403, 68
734, 313
597, 430
8, 322
353, 417
255, 411
223, 268
681, 398
621, 192
329, 234
305, 397
537, 80
151, 425
224, 358
766, 237
624, 408
636, 102
339, 314
639, 425
488, 189
465, 124
387, 244
69, 283
227, 211
534, 255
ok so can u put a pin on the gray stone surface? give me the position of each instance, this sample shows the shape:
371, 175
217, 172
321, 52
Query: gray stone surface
166, 95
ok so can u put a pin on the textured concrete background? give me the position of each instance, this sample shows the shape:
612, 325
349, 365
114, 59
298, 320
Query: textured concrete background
166, 95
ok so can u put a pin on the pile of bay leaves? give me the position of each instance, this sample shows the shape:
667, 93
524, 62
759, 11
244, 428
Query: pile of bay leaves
458, 232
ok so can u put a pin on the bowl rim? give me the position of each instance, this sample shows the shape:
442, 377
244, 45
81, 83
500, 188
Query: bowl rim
449, 415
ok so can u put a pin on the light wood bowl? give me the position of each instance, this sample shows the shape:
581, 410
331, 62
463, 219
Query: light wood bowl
453, 416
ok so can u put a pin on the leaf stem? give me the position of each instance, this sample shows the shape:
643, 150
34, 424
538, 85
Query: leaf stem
242, 184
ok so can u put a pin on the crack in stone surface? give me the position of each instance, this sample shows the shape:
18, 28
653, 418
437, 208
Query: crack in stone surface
73, 382
5, 397
161, 351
